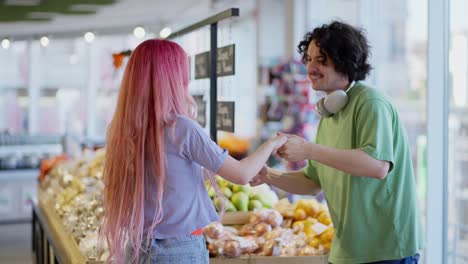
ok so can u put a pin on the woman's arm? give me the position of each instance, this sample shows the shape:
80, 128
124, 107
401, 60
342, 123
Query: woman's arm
241, 172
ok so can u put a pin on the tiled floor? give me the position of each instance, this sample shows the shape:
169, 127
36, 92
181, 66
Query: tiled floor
15, 244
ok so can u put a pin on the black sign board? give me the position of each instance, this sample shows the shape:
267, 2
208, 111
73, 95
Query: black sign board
225, 62
202, 65
225, 116
201, 109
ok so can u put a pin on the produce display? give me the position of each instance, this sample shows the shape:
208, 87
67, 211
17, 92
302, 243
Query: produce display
300, 229
74, 189
242, 198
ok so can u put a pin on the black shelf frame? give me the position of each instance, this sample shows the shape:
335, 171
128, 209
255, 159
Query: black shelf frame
213, 23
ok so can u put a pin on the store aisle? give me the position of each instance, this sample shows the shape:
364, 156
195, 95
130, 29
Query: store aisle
15, 244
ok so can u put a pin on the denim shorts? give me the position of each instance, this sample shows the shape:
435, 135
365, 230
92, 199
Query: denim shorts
180, 250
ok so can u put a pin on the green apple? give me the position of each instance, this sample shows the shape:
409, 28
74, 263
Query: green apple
222, 182
230, 207
226, 192
255, 204
241, 188
265, 202
217, 203
211, 192
227, 205
240, 201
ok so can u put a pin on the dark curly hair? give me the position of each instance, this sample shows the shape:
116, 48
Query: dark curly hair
345, 45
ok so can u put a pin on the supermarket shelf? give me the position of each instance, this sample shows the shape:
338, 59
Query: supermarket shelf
17, 189
31, 174
43, 148
43, 240
15, 221
64, 246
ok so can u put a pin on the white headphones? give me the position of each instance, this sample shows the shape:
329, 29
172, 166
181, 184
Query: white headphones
333, 103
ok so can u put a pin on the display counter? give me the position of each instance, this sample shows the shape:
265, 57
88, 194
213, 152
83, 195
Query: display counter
52, 244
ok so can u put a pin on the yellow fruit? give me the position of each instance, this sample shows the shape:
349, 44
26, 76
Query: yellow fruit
300, 214
327, 245
298, 226
314, 242
327, 236
301, 204
309, 231
324, 218
311, 221
312, 208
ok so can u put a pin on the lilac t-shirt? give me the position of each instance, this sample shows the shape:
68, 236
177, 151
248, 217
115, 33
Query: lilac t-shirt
186, 203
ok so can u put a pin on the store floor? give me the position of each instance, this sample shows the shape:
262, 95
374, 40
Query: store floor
15, 244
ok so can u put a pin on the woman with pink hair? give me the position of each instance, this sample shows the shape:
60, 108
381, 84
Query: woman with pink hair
155, 198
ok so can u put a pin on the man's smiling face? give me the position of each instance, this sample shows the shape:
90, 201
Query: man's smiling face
321, 71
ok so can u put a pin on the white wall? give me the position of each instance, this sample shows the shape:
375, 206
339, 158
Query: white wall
271, 30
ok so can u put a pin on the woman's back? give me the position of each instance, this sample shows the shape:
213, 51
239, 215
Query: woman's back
187, 206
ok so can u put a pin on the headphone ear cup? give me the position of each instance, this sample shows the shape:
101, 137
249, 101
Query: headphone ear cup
321, 108
332, 103
335, 101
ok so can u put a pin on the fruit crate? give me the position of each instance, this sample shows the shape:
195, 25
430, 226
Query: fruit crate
235, 218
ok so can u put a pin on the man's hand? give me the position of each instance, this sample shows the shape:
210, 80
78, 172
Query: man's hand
277, 141
261, 177
294, 149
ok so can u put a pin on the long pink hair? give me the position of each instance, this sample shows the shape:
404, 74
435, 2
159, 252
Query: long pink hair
154, 89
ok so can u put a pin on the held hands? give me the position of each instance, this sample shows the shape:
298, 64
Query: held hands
294, 148
287, 146
275, 142
262, 177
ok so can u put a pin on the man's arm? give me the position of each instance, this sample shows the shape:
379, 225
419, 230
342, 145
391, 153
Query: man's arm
291, 181
353, 161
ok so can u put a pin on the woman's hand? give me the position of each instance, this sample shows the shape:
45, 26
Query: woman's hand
277, 141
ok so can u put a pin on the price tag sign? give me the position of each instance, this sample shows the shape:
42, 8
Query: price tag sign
202, 65
225, 116
225, 63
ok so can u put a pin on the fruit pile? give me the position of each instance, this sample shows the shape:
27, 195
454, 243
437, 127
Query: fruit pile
242, 198
269, 233
74, 189
310, 218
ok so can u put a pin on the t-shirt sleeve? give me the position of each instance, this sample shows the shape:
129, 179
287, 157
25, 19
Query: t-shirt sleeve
374, 130
311, 172
199, 148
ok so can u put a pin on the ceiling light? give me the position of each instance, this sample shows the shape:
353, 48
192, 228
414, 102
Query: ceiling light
165, 32
44, 41
139, 32
6, 43
89, 37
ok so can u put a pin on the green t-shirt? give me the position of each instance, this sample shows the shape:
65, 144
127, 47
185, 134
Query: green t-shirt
374, 219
